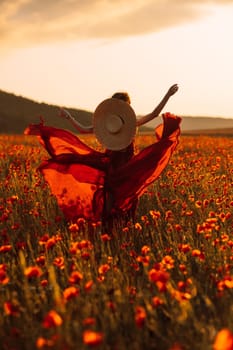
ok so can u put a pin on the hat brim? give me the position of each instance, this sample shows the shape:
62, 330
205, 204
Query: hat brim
125, 136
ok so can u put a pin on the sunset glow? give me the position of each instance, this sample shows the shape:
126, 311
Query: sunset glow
78, 58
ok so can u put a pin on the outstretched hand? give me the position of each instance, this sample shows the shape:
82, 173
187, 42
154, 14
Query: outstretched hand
173, 89
64, 114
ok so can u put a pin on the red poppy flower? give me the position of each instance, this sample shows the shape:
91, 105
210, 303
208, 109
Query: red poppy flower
105, 237
156, 301
88, 286
59, 262
70, 293
43, 343
52, 319
33, 272
168, 262
145, 250
223, 340
89, 321
51, 242
5, 248
41, 260
103, 269
184, 247
92, 338
4, 279
73, 228
44, 283
140, 316
197, 253
11, 309
138, 226
160, 278
75, 277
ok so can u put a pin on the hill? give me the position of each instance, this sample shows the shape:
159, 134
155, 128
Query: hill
17, 112
210, 132
205, 123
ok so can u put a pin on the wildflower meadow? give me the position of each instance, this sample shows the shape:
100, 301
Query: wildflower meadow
164, 282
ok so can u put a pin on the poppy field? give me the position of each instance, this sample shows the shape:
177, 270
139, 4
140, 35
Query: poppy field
164, 282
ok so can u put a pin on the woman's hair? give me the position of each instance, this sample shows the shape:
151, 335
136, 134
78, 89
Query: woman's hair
122, 96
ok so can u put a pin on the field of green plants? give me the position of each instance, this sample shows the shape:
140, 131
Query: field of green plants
162, 283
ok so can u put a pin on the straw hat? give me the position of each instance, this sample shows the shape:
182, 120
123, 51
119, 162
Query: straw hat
114, 124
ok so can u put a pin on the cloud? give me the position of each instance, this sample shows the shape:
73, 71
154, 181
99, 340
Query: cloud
31, 22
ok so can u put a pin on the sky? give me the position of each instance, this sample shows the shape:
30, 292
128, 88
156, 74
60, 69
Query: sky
76, 53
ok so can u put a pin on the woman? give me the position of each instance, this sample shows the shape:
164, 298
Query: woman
103, 186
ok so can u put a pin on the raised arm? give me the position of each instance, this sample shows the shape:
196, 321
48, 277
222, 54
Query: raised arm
78, 126
156, 112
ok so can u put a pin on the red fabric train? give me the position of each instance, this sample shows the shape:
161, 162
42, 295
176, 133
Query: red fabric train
82, 178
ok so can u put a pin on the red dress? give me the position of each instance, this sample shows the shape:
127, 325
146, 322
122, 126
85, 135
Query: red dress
82, 178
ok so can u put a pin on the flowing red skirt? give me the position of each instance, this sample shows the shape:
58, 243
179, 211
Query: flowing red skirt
80, 176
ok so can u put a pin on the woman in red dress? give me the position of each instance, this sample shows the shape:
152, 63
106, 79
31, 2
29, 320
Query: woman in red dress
103, 186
